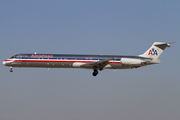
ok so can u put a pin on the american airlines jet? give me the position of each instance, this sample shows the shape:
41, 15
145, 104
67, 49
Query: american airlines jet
94, 62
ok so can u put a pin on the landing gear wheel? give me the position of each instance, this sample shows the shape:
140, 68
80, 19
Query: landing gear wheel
11, 70
95, 73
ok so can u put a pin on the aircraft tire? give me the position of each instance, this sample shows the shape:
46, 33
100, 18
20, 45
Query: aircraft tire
95, 73
11, 70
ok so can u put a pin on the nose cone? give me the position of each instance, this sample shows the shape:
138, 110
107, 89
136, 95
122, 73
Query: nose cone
7, 62
4, 63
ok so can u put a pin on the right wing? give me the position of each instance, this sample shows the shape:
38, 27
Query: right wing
97, 65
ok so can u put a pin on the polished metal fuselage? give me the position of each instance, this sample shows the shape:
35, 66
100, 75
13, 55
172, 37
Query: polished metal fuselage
66, 61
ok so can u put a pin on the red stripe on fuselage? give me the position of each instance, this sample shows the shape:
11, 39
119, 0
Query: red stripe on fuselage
8, 60
23, 60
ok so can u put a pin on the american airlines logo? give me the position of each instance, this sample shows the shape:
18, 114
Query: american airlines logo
152, 52
46, 56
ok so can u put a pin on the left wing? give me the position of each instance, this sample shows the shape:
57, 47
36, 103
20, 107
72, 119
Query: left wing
98, 65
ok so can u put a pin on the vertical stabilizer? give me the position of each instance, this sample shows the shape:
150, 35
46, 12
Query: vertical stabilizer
155, 50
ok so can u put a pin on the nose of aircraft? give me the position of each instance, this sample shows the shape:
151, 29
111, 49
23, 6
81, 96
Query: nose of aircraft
4, 63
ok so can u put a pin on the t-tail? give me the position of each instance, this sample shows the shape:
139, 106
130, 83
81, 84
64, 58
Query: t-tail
155, 50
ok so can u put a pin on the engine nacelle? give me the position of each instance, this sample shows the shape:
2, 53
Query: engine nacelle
130, 61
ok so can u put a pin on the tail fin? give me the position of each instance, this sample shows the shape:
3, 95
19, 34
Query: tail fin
155, 50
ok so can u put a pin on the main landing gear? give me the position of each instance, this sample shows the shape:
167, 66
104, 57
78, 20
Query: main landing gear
11, 70
95, 73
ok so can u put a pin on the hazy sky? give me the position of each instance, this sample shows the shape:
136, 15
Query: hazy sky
120, 27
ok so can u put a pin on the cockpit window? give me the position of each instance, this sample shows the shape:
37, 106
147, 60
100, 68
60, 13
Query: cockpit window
13, 57
19, 56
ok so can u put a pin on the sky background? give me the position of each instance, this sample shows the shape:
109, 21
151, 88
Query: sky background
119, 27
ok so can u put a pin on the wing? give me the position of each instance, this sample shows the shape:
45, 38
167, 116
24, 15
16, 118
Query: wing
97, 65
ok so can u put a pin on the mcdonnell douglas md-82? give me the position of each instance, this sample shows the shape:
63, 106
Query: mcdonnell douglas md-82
94, 62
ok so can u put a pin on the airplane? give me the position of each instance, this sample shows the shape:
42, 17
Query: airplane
94, 62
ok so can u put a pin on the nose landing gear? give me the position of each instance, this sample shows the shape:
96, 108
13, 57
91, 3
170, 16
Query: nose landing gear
95, 73
11, 70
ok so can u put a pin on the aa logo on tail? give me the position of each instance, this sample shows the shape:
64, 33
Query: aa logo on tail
152, 52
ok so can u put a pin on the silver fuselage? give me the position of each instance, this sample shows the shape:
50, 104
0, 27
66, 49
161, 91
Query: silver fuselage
71, 61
